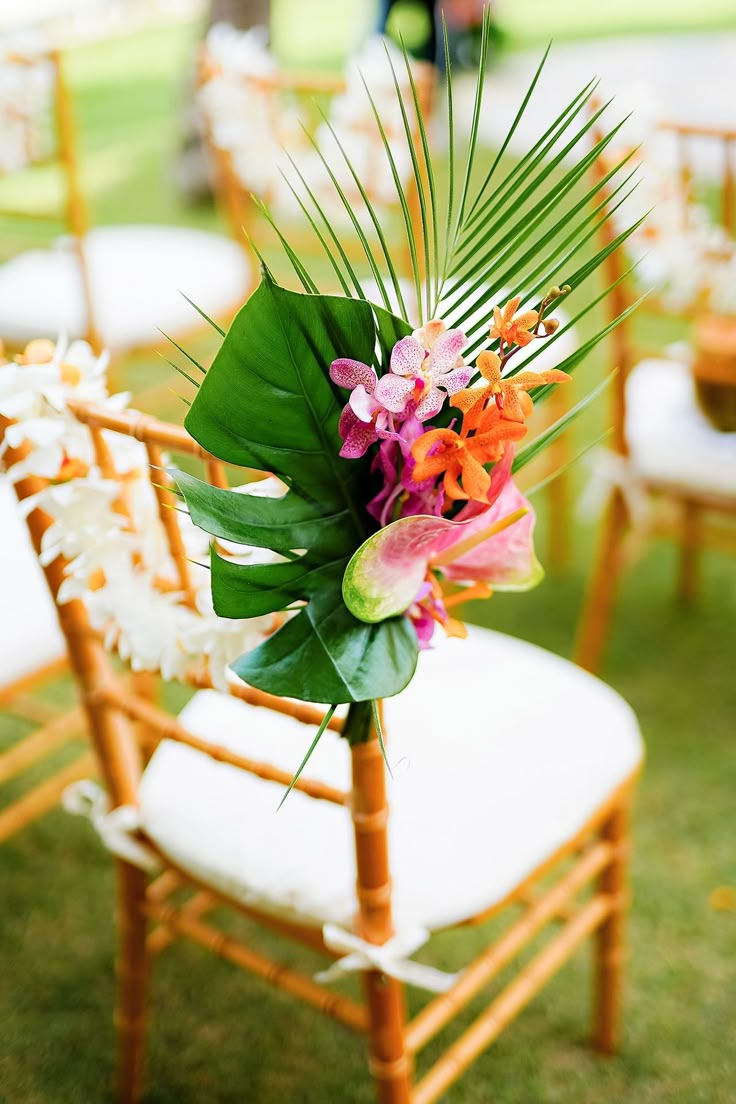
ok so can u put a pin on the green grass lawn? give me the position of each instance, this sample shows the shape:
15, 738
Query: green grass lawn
217, 1035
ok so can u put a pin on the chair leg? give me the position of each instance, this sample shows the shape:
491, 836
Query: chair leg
390, 1065
689, 553
598, 606
610, 936
132, 973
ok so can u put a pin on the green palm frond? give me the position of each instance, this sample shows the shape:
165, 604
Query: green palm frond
520, 230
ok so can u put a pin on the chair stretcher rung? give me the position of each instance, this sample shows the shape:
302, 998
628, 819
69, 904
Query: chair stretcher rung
331, 1004
39, 743
43, 797
445, 1007
507, 1005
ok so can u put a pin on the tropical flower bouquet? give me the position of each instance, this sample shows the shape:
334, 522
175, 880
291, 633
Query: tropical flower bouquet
396, 427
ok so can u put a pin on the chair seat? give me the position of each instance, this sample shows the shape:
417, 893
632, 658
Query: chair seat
137, 274
500, 751
30, 637
670, 439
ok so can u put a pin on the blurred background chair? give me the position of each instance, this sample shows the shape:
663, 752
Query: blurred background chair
191, 800
673, 467
253, 112
116, 286
32, 657
32, 654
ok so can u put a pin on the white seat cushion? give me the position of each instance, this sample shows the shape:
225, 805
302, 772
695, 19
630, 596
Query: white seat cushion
30, 636
500, 753
670, 439
137, 274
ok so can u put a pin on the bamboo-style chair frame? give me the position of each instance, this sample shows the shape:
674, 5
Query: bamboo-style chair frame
74, 217
54, 728
695, 520
126, 724
239, 207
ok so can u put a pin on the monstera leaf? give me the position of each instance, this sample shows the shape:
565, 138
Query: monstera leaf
267, 402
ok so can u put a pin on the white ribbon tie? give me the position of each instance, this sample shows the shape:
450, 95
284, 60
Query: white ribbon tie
115, 828
392, 958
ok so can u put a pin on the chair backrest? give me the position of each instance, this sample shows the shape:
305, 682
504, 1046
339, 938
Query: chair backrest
684, 250
37, 129
252, 113
98, 502
117, 558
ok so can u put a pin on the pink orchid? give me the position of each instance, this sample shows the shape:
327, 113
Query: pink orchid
365, 419
427, 367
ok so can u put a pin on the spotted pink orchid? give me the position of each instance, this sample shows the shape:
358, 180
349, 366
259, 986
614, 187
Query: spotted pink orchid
490, 545
425, 368
364, 419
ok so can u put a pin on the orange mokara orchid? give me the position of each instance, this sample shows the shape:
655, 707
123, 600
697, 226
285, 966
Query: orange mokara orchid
510, 330
444, 450
510, 392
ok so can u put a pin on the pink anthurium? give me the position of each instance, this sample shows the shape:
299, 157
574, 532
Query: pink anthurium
492, 544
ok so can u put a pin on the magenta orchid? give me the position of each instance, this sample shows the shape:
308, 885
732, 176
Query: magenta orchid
364, 419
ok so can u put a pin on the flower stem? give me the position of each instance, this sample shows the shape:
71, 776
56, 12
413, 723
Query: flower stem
358, 723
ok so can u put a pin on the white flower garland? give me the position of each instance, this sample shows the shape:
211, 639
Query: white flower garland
682, 254
26, 103
116, 559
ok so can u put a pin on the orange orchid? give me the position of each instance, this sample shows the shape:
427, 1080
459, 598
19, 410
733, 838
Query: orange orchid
510, 330
444, 450
510, 392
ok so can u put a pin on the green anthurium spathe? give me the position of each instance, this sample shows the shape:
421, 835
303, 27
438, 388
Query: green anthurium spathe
268, 402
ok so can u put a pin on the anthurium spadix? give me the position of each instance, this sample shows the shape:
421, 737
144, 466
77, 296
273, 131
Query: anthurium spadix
492, 545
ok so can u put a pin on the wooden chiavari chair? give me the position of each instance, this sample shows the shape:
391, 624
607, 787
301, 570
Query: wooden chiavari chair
114, 286
289, 101
563, 776
32, 655
687, 488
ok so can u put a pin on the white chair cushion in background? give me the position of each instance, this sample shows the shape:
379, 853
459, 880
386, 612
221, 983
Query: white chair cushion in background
670, 439
137, 274
30, 637
500, 753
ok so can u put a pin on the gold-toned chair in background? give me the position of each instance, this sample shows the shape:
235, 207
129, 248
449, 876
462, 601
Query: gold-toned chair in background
478, 817
115, 286
256, 117
32, 654
674, 472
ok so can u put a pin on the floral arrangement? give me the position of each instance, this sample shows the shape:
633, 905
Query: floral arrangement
398, 432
